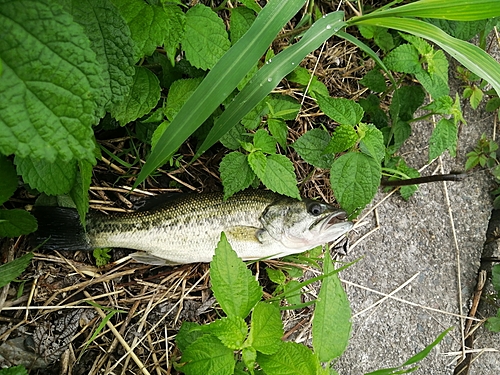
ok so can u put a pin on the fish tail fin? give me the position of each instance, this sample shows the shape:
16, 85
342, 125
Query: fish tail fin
59, 228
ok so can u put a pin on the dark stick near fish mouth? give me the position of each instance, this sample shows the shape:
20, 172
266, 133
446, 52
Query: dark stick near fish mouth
457, 176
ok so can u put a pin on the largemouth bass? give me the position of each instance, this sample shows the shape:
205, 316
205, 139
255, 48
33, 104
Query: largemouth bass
186, 229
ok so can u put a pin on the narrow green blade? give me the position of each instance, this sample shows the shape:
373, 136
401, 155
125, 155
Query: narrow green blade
222, 80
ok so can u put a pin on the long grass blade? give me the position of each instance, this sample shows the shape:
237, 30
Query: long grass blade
470, 56
269, 76
222, 80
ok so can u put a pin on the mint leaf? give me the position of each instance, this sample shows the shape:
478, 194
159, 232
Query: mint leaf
207, 355
444, 137
150, 25
311, 146
371, 141
233, 138
290, 359
401, 131
476, 97
374, 80
404, 59
142, 98
276, 276
405, 101
373, 113
8, 182
258, 163
102, 24
14, 223
283, 107
12, 270
442, 105
344, 137
188, 334
302, 76
80, 190
355, 178
280, 176
55, 178
331, 325
205, 38
266, 328
235, 173
233, 284
279, 130
344, 111
435, 81
16, 370
251, 4
240, 21
174, 30
50, 83
231, 331
263, 141
179, 93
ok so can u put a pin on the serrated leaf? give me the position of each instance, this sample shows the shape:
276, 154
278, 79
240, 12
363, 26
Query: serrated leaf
435, 82
263, 141
235, 173
248, 355
258, 161
290, 359
142, 98
50, 92
405, 101
372, 141
374, 80
331, 324
240, 21
403, 59
476, 97
234, 137
102, 24
279, 130
252, 4
354, 178
231, 331
401, 131
373, 113
311, 147
188, 334
233, 284
302, 76
179, 93
14, 223
493, 104
283, 107
175, 29
266, 328
150, 25
442, 105
205, 38
342, 110
207, 355
12, 270
444, 137
279, 176
8, 181
80, 190
344, 137
276, 276
50, 178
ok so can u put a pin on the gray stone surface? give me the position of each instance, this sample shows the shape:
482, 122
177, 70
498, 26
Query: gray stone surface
416, 237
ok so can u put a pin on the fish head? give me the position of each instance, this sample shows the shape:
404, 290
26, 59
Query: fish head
303, 225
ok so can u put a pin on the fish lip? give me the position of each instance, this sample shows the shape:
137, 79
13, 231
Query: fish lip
337, 217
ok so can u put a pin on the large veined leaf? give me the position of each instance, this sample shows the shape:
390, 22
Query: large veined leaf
222, 80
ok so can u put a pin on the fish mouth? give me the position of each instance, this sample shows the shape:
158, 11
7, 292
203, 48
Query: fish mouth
325, 223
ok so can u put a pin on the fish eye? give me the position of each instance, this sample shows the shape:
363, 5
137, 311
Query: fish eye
316, 209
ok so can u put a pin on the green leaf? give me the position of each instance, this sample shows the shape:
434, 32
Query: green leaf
240, 21
102, 24
142, 98
207, 355
374, 80
248, 355
276, 276
174, 30
493, 323
102, 256
373, 113
80, 190
231, 331
425, 352
276, 172
14, 223
252, 4
8, 182
50, 84
371, 141
495, 277
222, 79
464, 30
12, 270
263, 141
442, 105
279, 130
55, 178
311, 147
233, 285
344, 111
344, 137
493, 104
188, 334
234, 137
150, 25
405, 101
205, 38
444, 137
16, 370
476, 97
435, 82
283, 107
266, 328
355, 178
290, 359
401, 131
179, 93
404, 59
158, 133
331, 325
235, 173
302, 76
